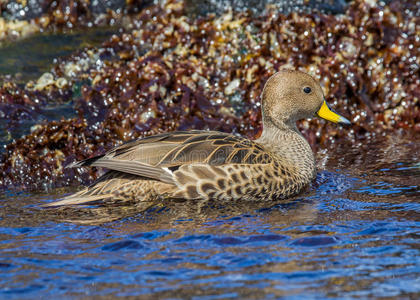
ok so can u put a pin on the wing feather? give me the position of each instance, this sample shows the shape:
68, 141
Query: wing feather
135, 168
156, 157
74, 200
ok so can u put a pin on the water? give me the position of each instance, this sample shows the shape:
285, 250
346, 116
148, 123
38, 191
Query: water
257, 7
354, 234
29, 58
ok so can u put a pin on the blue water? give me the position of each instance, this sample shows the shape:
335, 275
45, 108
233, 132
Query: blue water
354, 234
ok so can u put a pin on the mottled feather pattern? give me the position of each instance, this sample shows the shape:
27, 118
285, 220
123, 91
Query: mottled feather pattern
209, 165
230, 182
202, 165
116, 186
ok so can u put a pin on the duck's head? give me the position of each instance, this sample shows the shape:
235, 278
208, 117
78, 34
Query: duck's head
291, 95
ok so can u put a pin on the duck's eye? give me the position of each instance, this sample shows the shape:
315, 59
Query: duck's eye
307, 90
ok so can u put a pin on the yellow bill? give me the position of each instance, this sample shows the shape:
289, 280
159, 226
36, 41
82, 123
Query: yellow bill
326, 113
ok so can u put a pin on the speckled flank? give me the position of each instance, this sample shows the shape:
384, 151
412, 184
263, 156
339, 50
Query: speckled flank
215, 165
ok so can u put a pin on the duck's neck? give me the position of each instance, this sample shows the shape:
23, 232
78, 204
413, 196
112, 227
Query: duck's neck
288, 143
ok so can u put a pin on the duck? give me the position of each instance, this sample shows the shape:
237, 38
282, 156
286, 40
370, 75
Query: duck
204, 165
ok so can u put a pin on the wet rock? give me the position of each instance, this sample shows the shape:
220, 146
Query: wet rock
19, 19
14, 29
67, 10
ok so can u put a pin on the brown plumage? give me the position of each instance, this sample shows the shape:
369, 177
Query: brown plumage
204, 165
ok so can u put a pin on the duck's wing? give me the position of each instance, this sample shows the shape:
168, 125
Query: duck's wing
156, 157
112, 187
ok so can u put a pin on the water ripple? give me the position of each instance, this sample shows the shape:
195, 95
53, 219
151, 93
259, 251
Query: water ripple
346, 237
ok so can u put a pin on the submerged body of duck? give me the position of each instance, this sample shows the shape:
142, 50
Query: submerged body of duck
204, 165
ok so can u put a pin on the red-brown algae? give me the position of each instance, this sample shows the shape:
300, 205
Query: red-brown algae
169, 71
